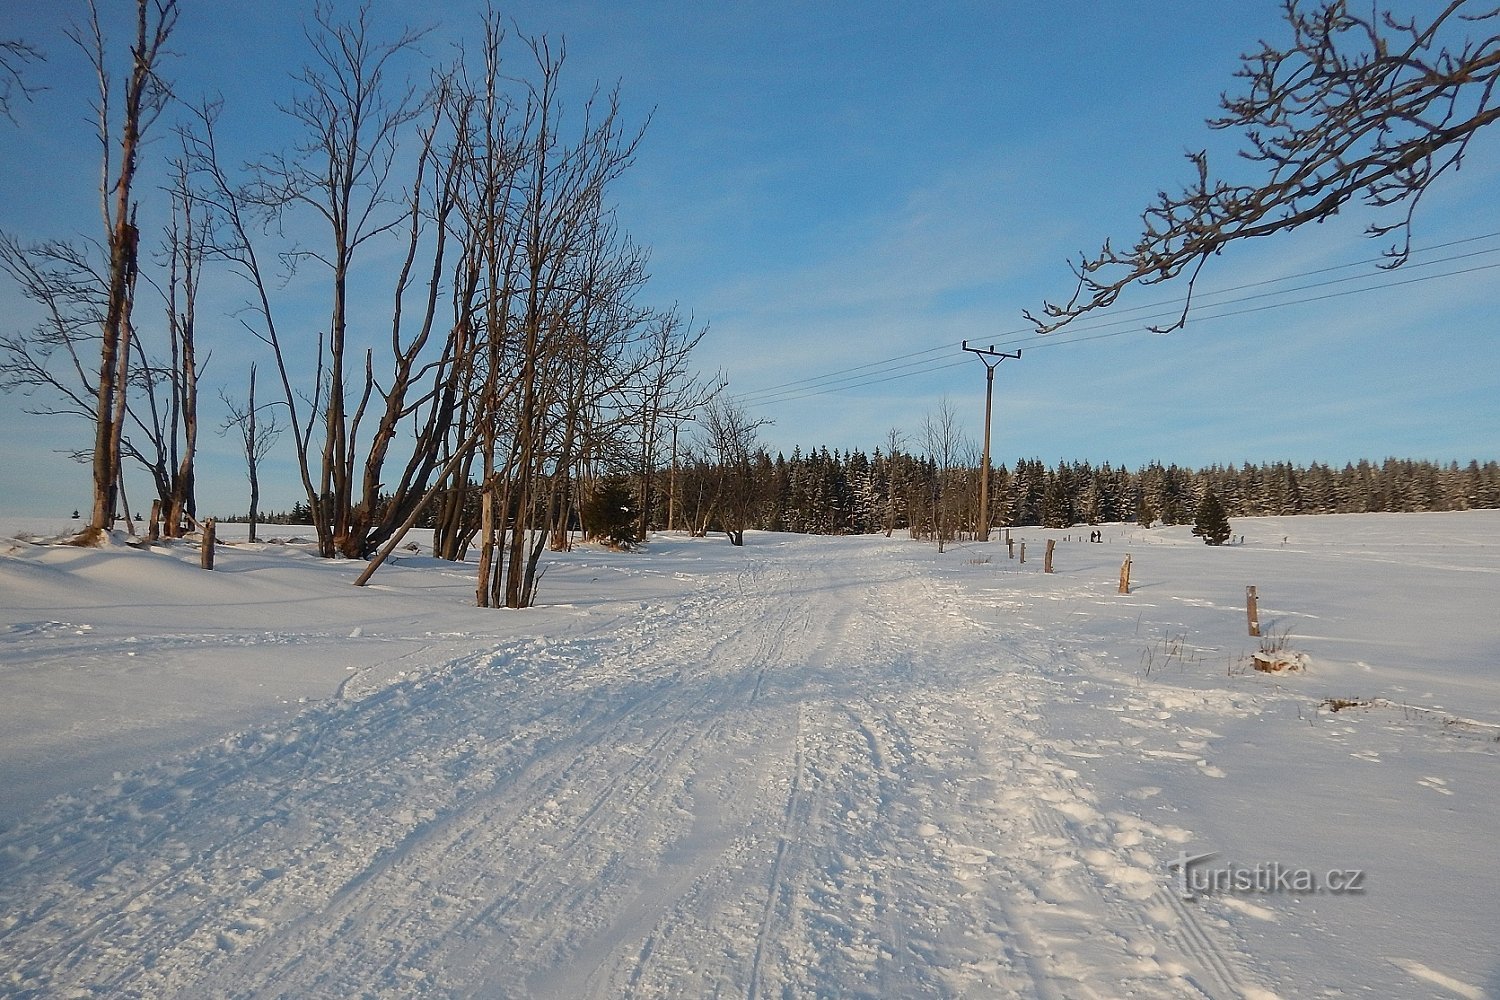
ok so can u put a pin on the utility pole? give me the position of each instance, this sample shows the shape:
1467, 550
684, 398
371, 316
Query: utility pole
677, 418
677, 421
985, 355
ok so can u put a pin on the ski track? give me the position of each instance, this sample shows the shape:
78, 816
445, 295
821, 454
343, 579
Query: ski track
781, 786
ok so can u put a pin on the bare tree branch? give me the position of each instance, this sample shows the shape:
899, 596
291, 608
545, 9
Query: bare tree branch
15, 54
1373, 107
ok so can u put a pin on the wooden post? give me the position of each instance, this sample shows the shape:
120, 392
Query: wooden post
1010, 546
1047, 559
1023, 553
153, 533
1252, 611
1125, 575
208, 544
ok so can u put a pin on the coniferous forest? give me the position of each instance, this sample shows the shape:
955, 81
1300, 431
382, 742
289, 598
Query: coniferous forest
833, 492
825, 492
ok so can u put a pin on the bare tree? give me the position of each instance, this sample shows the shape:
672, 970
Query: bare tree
732, 435
257, 436
343, 171
53, 361
144, 97
668, 390
14, 55
82, 355
944, 443
560, 200
894, 463
166, 390
377, 161
1371, 106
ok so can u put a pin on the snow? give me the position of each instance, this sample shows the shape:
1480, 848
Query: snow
805, 767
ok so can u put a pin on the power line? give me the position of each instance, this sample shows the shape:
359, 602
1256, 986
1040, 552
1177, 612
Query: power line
1128, 316
1122, 323
1176, 306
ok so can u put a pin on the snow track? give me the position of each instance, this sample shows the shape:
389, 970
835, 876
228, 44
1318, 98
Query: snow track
807, 778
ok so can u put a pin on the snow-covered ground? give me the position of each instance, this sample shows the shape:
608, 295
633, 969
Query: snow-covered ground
808, 767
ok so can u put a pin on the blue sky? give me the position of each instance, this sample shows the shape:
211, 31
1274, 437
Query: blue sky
836, 184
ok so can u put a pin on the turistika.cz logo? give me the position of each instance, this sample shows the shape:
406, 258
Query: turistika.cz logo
1194, 879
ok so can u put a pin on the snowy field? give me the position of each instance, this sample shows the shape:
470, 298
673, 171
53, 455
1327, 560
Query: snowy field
809, 767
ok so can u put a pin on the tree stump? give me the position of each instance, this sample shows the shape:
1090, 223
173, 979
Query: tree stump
208, 544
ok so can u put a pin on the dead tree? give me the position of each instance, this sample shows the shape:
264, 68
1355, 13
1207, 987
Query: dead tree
1357, 105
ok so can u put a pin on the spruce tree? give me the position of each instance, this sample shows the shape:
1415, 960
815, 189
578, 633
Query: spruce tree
1212, 524
610, 512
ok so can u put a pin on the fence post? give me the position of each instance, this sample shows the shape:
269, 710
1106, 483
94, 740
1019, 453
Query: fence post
208, 544
1047, 559
1125, 575
1023, 553
1252, 611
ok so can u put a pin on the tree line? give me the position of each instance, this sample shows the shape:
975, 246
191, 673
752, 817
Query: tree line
851, 492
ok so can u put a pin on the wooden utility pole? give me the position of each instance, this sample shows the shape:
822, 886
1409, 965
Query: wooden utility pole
677, 420
985, 355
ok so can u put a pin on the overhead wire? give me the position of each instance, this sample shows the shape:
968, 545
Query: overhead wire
1129, 321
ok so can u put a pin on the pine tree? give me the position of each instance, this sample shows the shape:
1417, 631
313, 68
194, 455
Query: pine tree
1212, 524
